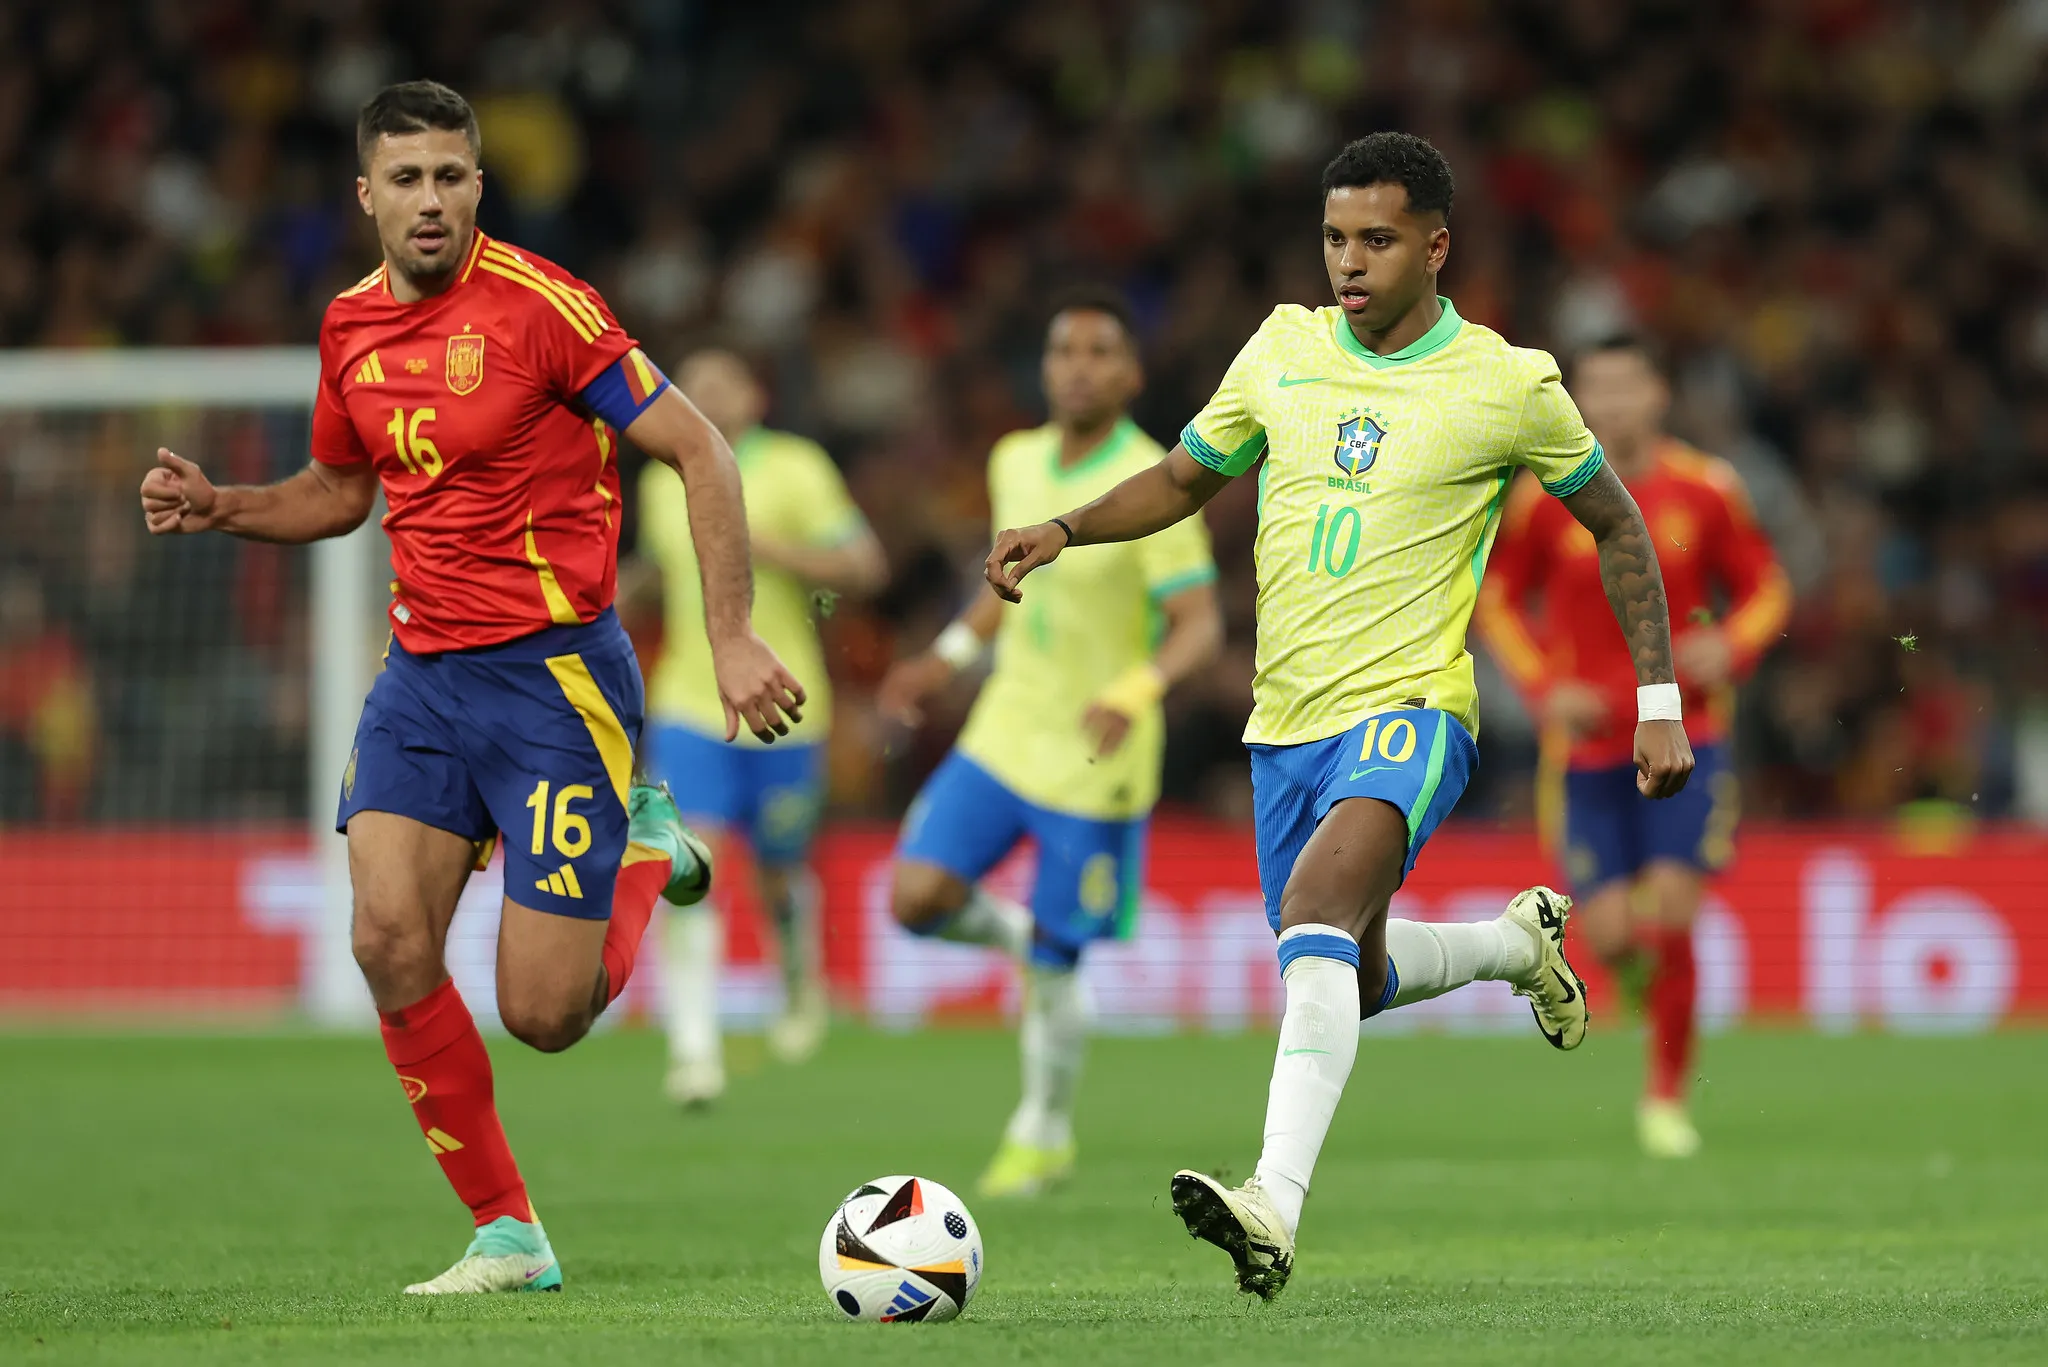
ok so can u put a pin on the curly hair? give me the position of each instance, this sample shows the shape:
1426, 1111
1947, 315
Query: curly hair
1395, 159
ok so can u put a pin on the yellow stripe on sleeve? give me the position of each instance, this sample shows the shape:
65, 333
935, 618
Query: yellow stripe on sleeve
560, 610
568, 294
1752, 626
614, 747
490, 263
643, 372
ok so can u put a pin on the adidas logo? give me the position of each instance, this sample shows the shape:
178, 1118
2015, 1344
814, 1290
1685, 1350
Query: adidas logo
908, 1297
562, 883
439, 1141
370, 371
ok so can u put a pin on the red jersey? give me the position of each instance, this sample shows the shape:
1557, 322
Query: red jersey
503, 489
1546, 616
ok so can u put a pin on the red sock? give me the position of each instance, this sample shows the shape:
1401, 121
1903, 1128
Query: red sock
446, 1072
640, 883
1674, 984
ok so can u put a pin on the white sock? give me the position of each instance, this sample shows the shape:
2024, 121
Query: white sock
1435, 957
1052, 1038
1318, 1045
989, 920
796, 932
693, 944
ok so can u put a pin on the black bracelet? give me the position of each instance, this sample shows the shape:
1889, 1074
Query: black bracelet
1061, 523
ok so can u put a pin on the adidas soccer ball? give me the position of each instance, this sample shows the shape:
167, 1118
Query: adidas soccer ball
900, 1249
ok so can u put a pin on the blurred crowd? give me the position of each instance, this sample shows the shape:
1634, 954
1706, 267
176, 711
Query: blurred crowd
1828, 211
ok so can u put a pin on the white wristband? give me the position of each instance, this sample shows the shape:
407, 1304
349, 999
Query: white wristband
1658, 702
960, 646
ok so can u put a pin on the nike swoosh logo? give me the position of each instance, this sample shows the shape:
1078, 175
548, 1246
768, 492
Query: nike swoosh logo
1570, 995
1357, 774
1286, 383
537, 1271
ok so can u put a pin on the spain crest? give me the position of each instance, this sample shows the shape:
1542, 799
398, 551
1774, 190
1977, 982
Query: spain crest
1358, 443
465, 363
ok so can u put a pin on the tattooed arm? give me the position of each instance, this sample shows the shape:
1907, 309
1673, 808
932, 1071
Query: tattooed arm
1635, 590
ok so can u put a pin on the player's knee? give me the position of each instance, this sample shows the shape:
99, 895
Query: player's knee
548, 1027
923, 896
392, 954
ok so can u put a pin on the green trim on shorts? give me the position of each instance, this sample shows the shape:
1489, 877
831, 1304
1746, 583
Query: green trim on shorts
1433, 781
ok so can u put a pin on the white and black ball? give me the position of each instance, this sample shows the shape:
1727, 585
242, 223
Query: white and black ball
900, 1250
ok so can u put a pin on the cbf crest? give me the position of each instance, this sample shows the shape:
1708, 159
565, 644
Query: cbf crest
465, 363
1359, 434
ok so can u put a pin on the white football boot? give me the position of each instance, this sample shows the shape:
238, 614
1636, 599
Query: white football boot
1242, 1222
1556, 993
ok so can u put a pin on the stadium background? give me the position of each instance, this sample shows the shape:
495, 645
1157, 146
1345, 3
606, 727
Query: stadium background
1829, 211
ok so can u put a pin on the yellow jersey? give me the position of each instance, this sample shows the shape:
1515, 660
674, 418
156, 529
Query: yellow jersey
794, 495
1086, 619
1378, 502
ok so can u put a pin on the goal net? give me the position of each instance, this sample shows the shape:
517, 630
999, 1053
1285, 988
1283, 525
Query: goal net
174, 712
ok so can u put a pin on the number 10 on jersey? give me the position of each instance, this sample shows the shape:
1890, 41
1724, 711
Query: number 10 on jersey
1324, 555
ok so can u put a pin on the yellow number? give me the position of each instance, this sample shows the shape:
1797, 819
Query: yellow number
417, 453
539, 803
1099, 885
395, 429
424, 451
1372, 728
1406, 729
572, 832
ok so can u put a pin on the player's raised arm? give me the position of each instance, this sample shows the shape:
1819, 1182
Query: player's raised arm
1149, 501
320, 501
1635, 590
753, 684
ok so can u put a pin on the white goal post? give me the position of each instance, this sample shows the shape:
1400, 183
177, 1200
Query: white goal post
342, 616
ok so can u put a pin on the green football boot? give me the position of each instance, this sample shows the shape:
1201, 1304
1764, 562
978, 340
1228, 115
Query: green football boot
505, 1255
654, 822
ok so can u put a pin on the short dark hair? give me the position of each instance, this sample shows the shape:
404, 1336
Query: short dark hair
1395, 159
1096, 299
414, 107
1634, 343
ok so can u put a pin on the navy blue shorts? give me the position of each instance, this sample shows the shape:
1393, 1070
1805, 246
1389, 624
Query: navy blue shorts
533, 738
1090, 870
769, 794
1416, 759
1611, 831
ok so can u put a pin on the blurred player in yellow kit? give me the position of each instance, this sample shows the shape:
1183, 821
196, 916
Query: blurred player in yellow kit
1063, 746
807, 536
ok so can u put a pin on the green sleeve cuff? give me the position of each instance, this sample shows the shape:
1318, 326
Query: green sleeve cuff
1234, 462
1187, 579
1576, 480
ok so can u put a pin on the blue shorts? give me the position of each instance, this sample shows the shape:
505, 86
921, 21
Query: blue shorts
1417, 760
770, 794
1611, 831
533, 738
1090, 871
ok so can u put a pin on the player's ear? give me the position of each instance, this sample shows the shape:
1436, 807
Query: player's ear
363, 194
1439, 247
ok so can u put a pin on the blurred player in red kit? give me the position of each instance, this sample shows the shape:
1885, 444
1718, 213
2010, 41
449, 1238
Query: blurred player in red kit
1636, 867
485, 391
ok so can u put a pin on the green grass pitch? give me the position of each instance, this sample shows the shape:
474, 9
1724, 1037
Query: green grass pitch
228, 1200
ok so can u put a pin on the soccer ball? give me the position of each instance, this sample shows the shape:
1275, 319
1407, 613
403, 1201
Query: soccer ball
900, 1249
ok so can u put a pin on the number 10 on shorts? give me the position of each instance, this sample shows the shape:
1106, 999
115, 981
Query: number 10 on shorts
571, 835
1396, 741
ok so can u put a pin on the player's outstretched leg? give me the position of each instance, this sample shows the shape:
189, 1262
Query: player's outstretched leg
693, 950
795, 903
1663, 1123
1037, 1152
1524, 946
664, 861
